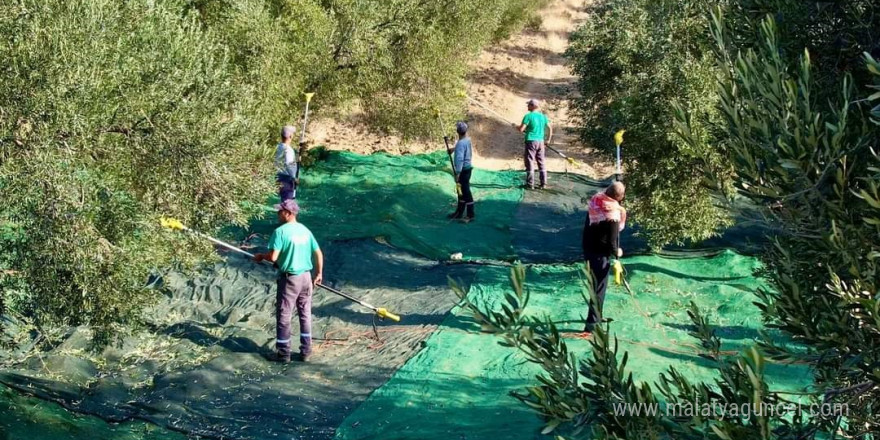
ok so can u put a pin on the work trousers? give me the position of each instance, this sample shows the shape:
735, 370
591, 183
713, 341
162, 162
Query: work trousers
600, 265
294, 294
286, 186
464, 179
534, 152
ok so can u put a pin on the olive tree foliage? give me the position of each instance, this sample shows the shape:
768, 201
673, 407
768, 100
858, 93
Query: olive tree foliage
406, 60
113, 114
797, 110
646, 66
807, 157
277, 48
402, 61
637, 61
596, 397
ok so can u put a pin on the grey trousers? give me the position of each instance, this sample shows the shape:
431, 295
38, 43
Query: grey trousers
534, 152
294, 293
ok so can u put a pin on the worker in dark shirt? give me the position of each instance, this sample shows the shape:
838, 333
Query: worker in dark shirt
601, 243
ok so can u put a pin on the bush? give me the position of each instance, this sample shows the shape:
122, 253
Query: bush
582, 398
114, 114
803, 154
794, 125
637, 62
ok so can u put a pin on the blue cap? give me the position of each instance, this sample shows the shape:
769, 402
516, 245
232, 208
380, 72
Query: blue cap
461, 127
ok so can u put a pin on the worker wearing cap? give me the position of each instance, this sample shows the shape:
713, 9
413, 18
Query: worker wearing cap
285, 165
293, 249
533, 124
462, 163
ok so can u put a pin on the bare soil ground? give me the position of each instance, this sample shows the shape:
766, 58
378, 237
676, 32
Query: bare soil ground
504, 77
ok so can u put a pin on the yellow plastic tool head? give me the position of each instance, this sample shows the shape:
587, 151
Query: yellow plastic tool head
458, 189
384, 313
171, 223
618, 272
618, 137
309, 96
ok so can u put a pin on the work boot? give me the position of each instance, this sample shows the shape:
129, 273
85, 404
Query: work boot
278, 357
459, 211
303, 357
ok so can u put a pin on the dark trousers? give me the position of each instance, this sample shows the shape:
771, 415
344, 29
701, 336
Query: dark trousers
294, 293
466, 198
534, 152
464, 179
600, 265
286, 187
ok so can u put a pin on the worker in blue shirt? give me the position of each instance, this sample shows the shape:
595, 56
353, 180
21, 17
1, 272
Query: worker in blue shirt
462, 163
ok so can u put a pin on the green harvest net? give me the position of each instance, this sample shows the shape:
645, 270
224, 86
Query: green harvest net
32, 419
405, 200
459, 385
381, 221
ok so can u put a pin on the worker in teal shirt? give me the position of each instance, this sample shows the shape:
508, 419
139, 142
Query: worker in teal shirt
533, 124
293, 249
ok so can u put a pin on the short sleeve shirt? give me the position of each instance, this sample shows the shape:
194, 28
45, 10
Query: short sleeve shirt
295, 245
535, 123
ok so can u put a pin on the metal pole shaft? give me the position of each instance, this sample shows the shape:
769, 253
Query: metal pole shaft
347, 296
302, 138
244, 252
618, 161
302, 135
224, 244
479, 104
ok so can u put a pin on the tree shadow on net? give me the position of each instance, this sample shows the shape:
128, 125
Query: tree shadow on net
778, 374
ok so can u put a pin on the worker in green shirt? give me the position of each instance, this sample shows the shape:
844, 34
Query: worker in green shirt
293, 249
533, 124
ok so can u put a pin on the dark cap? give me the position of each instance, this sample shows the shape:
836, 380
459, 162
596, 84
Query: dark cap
288, 205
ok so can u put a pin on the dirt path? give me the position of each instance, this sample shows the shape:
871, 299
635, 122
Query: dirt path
528, 65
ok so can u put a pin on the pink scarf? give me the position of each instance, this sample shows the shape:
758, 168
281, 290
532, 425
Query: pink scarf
604, 208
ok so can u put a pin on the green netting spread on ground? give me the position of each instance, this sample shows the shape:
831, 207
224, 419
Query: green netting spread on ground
458, 386
405, 199
29, 418
381, 220
201, 367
